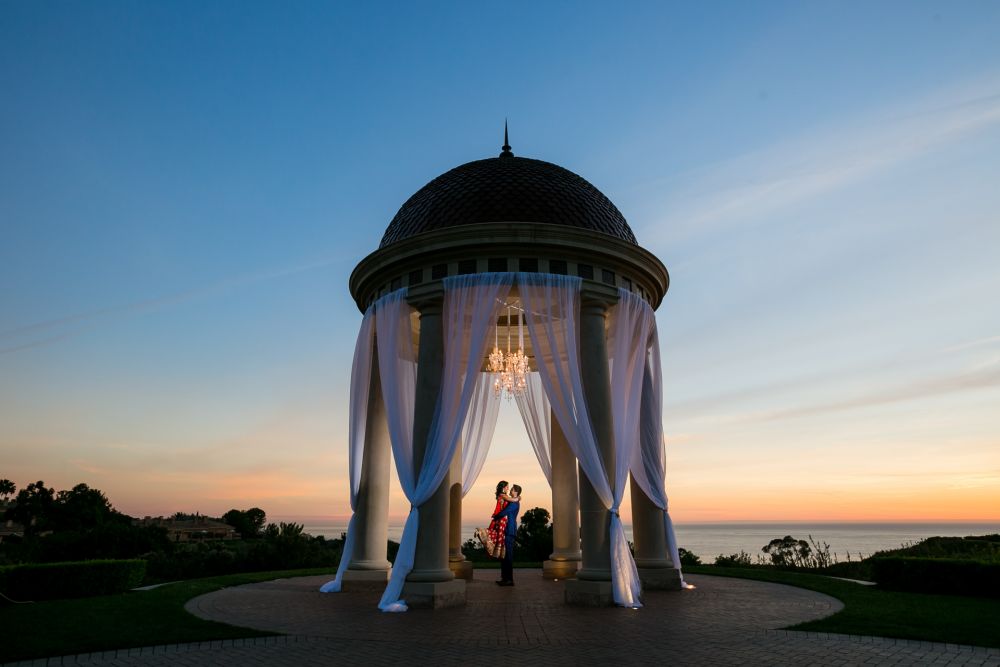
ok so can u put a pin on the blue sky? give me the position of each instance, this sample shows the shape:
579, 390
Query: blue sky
185, 188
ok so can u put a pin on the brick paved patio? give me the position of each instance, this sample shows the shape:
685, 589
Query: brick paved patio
721, 622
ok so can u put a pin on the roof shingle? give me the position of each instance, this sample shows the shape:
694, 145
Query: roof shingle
507, 189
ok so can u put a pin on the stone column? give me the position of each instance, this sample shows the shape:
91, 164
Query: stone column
460, 567
368, 566
431, 583
592, 586
565, 558
656, 571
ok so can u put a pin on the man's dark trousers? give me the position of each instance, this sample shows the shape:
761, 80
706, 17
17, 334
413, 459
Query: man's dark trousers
507, 564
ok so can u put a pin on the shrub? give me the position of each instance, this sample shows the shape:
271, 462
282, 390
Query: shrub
53, 581
742, 559
857, 569
283, 547
112, 540
951, 576
688, 558
474, 551
981, 548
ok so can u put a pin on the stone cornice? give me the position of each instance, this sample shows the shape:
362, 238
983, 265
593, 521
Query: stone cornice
506, 238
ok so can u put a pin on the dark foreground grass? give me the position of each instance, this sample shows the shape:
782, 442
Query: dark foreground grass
128, 620
156, 617
869, 610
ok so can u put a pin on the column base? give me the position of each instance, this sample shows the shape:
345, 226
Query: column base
434, 594
560, 569
430, 576
659, 579
379, 564
365, 579
462, 569
589, 593
593, 574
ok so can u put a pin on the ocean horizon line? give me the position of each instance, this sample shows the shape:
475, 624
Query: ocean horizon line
845, 539
722, 522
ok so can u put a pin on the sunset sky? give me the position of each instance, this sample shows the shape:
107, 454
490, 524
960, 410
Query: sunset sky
185, 189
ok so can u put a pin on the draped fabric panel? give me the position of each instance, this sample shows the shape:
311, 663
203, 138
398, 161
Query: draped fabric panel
477, 434
537, 417
552, 314
648, 466
470, 310
552, 305
466, 409
398, 374
630, 322
361, 371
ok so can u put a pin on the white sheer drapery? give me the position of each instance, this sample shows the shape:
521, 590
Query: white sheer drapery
361, 371
471, 306
630, 322
398, 375
648, 465
477, 434
552, 304
537, 417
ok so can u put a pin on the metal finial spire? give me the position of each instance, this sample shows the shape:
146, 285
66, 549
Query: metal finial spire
506, 143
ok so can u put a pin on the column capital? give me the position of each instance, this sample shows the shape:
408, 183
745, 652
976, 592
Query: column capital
595, 299
427, 299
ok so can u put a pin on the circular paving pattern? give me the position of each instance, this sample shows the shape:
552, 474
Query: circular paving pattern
532, 612
723, 621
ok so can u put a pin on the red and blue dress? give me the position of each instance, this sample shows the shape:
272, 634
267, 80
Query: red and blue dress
493, 537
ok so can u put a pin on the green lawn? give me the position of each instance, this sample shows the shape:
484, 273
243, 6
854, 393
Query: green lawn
870, 611
139, 618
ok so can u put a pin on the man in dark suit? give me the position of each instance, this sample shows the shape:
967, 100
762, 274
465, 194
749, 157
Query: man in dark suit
510, 511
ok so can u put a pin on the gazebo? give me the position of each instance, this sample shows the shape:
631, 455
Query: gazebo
487, 239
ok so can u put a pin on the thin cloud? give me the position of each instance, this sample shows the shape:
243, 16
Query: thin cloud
710, 404
815, 165
943, 385
90, 318
973, 343
41, 342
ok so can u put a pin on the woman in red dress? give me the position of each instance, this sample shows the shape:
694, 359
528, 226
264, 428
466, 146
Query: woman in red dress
494, 538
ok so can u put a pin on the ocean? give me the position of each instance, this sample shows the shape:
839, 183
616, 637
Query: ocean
709, 540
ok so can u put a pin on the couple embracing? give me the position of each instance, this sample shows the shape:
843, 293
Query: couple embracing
499, 537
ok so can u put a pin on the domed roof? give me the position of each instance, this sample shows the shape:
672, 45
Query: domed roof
507, 189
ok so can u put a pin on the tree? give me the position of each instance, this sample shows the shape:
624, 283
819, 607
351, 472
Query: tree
534, 535
255, 518
7, 488
81, 508
33, 507
788, 552
248, 524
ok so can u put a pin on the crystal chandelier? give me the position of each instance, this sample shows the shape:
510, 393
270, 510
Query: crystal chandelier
510, 370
